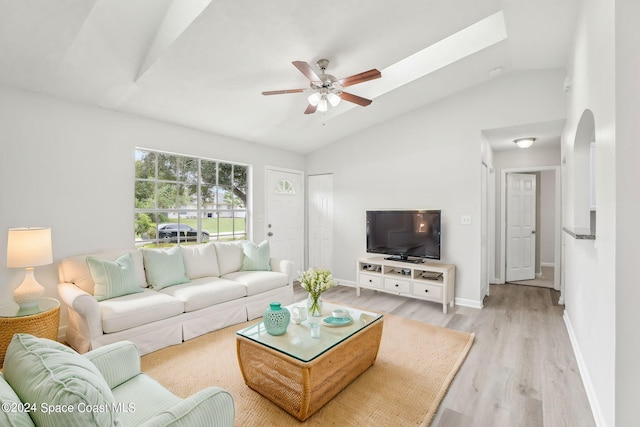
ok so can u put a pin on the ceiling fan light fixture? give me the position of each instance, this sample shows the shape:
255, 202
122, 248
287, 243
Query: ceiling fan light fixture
322, 104
524, 142
333, 99
314, 98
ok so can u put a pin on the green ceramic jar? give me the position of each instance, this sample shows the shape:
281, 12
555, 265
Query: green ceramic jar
276, 319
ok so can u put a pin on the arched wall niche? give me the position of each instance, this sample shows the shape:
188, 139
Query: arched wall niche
584, 172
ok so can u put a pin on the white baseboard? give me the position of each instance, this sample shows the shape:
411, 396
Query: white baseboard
347, 283
469, 303
584, 374
547, 264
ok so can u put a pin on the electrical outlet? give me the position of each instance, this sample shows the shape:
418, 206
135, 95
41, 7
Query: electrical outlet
465, 219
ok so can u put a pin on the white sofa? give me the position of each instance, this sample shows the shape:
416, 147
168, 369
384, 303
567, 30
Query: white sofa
218, 293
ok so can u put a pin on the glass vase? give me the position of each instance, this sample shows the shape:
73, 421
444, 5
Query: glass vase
276, 319
314, 305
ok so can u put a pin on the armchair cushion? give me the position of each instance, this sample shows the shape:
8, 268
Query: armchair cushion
113, 278
211, 407
49, 375
117, 362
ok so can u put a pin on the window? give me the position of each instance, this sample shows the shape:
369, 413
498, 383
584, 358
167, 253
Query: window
181, 199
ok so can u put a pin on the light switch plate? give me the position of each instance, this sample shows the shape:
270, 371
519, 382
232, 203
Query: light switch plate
465, 219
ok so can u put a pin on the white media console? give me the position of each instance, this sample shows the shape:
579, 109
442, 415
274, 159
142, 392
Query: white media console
431, 282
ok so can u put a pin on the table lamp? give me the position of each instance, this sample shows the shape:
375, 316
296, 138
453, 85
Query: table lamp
29, 248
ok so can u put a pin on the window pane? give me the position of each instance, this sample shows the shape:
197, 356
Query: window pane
239, 226
188, 168
167, 167
240, 198
208, 193
145, 164
225, 171
167, 195
145, 195
208, 171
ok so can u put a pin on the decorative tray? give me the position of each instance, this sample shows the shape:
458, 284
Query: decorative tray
334, 322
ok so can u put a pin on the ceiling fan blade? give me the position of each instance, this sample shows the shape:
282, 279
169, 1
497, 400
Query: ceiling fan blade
311, 109
306, 70
360, 78
280, 92
355, 99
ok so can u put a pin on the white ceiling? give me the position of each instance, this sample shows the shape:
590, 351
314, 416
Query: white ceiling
204, 63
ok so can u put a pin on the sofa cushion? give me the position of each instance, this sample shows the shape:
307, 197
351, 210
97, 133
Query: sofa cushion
258, 281
164, 267
230, 256
200, 260
113, 278
49, 375
133, 310
75, 269
205, 292
256, 257
11, 414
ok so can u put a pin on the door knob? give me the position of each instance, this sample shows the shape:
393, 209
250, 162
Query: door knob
269, 234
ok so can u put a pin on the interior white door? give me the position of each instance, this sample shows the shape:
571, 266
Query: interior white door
285, 215
320, 222
521, 231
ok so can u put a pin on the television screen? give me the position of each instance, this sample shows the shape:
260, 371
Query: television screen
404, 234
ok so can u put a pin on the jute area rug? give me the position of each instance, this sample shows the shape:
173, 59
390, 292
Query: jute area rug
416, 363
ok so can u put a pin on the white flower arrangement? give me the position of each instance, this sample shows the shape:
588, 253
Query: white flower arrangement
316, 281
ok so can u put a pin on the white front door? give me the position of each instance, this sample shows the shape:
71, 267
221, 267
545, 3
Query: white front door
521, 231
285, 215
320, 213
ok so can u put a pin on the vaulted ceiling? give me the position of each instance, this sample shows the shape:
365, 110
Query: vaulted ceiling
204, 63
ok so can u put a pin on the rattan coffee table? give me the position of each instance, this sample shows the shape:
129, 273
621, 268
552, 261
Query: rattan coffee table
301, 374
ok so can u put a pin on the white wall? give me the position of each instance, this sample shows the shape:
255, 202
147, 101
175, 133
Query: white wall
430, 158
627, 176
71, 167
590, 266
547, 207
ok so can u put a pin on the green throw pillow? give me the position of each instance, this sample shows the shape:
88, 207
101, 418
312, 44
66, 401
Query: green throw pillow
61, 384
13, 413
256, 257
164, 267
113, 278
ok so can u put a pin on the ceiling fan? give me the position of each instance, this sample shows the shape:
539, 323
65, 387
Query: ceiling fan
326, 88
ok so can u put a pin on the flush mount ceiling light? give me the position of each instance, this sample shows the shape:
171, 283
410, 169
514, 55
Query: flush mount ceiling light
524, 142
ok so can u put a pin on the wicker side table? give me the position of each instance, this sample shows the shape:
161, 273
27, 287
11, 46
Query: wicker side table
42, 321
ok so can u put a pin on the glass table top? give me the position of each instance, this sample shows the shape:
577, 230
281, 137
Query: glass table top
297, 342
14, 310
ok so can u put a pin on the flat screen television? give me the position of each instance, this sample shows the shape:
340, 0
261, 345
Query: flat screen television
402, 234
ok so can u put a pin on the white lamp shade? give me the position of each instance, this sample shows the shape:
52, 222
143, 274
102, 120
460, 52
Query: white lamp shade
29, 247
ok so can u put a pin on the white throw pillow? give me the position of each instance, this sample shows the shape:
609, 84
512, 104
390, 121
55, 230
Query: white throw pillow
200, 261
230, 256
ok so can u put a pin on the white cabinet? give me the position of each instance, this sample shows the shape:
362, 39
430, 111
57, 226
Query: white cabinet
426, 281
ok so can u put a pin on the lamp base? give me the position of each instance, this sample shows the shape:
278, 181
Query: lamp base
29, 291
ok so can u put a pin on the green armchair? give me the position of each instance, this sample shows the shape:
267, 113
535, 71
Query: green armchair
48, 384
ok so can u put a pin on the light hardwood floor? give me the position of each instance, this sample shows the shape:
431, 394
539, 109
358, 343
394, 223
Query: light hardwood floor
521, 370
